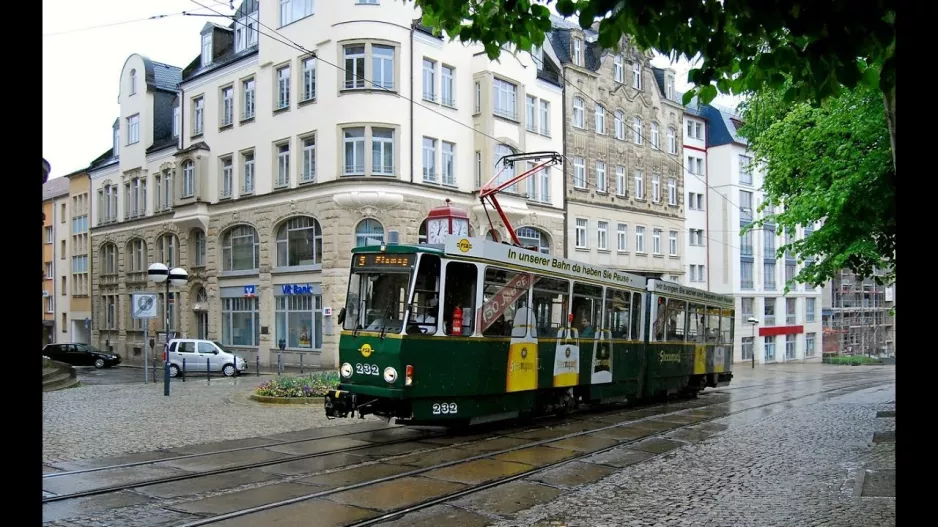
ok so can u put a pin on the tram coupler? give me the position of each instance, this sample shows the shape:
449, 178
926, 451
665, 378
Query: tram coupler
339, 403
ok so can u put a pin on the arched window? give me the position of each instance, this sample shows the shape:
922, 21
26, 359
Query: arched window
136, 255
501, 150
579, 115
492, 235
133, 82
167, 250
108, 259
240, 250
655, 138
620, 125
672, 141
197, 247
422, 232
369, 232
188, 179
201, 296
529, 236
299, 242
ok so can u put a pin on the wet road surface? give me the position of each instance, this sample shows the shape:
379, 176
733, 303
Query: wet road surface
369, 479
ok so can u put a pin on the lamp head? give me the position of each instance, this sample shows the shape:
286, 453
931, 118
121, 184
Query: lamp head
158, 272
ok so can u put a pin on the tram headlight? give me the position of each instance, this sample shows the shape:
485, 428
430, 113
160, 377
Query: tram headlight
346, 370
390, 375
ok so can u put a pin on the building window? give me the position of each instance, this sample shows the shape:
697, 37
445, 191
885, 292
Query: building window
579, 114
429, 80
600, 119
206, 49
133, 129
354, 66
637, 130
283, 87
299, 321
227, 177
619, 125
790, 352
177, 121
299, 242
637, 75
246, 32
449, 163
622, 234
382, 151
354, 144
167, 250
602, 231
769, 270
293, 10
477, 106
656, 241
308, 175
429, 160
581, 229
578, 52
600, 176
745, 206
692, 274
531, 237
309, 79
240, 249
247, 173
656, 188
136, 256
240, 322
745, 274
809, 309
247, 87
188, 179
770, 349
545, 117
747, 348
640, 239
809, 339
669, 87
620, 181
769, 312
448, 86
199, 248
198, 115
672, 243
369, 232
164, 190
531, 113
746, 307
227, 109
133, 82
745, 170
791, 309
672, 141
108, 260
579, 172
478, 169
618, 73
382, 62
672, 191
655, 138
507, 173
505, 97
639, 185
283, 165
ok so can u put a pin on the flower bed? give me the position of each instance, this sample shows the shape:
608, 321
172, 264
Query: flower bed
851, 360
308, 389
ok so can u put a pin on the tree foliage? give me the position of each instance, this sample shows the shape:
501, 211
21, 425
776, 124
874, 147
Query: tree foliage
820, 47
828, 163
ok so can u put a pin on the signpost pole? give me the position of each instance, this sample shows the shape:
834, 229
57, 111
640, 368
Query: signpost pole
146, 374
143, 308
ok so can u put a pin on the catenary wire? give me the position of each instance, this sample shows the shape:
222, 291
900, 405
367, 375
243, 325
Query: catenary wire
113, 24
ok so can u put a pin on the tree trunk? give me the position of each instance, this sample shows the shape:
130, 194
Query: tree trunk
889, 100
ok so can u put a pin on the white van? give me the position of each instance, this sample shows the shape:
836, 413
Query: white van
199, 353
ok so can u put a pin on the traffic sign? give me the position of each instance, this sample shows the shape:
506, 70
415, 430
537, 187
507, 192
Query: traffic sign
143, 305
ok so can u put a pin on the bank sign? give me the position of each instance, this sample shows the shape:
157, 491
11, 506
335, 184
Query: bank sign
297, 289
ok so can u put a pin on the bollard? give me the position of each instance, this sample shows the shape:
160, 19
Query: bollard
257, 361
279, 364
208, 371
154, 369
183, 369
301, 364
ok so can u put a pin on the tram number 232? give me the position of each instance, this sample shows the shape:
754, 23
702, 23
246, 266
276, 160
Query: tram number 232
444, 408
366, 369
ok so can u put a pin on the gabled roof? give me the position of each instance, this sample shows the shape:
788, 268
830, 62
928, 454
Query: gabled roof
102, 160
228, 55
54, 188
559, 37
723, 129
165, 77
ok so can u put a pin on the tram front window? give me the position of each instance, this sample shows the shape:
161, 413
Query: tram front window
376, 301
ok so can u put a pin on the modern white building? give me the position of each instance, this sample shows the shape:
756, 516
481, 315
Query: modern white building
788, 325
260, 165
695, 212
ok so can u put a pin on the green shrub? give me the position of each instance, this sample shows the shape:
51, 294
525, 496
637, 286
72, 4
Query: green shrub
851, 360
315, 384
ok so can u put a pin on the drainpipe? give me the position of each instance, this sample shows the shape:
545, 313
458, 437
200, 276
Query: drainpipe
412, 26
707, 198
182, 121
563, 106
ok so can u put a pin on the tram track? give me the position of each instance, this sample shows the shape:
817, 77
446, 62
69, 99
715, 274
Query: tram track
489, 431
844, 386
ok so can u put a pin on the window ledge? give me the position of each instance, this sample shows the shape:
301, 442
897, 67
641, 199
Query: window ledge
513, 120
296, 269
193, 137
674, 256
306, 102
581, 189
307, 182
606, 251
582, 249
224, 127
298, 350
245, 272
389, 91
281, 110
247, 120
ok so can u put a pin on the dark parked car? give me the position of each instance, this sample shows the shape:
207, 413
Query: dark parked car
80, 355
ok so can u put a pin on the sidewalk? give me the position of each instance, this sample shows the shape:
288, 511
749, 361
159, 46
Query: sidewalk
288, 371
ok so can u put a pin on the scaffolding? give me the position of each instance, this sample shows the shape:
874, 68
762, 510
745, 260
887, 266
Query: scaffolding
860, 320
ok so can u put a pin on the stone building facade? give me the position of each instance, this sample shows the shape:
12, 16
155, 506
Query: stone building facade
623, 172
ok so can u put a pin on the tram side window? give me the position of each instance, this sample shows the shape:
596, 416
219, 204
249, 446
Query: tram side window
670, 322
550, 306
426, 296
727, 326
618, 305
460, 293
504, 297
587, 308
713, 325
637, 329
696, 323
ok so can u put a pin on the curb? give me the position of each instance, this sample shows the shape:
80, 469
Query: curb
288, 400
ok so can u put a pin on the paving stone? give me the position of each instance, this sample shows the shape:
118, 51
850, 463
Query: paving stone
318, 512
312, 465
202, 484
619, 457
439, 516
318, 446
478, 471
90, 505
399, 493
573, 474
245, 499
353, 476
537, 455
508, 499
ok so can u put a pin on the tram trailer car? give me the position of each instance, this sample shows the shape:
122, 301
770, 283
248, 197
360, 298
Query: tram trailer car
475, 331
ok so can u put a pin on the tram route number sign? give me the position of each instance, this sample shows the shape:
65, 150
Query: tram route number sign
143, 305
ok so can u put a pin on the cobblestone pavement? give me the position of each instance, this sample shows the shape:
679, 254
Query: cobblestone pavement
110, 420
803, 466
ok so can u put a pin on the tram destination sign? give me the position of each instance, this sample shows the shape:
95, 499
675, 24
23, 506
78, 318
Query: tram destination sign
383, 261
538, 262
669, 288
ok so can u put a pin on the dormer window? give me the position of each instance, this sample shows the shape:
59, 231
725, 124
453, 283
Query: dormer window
206, 49
669, 87
177, 121
537, 53
117, 140
246, 32
578, 52
617, 73
133, 82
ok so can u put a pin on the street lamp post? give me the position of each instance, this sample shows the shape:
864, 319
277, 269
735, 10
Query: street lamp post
753, 321
178, 277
